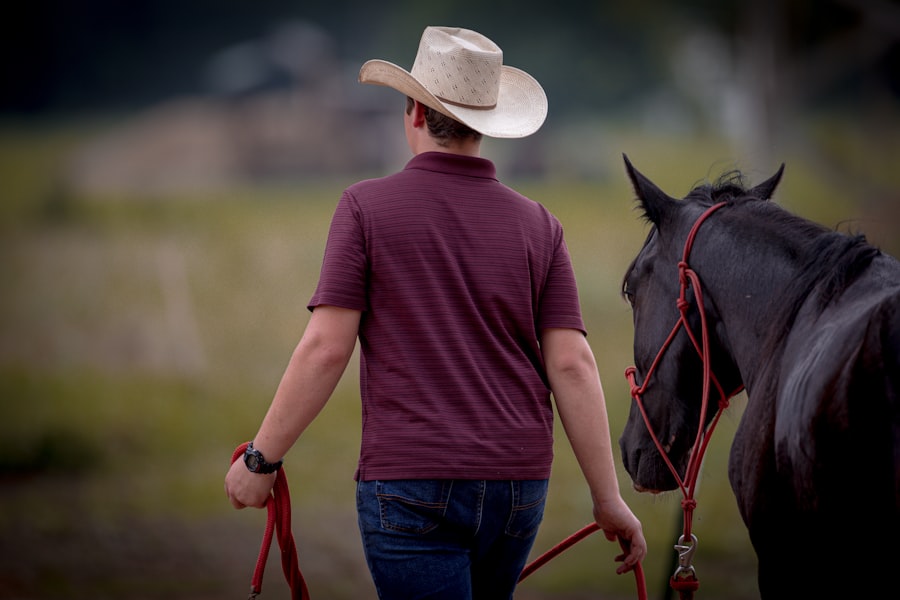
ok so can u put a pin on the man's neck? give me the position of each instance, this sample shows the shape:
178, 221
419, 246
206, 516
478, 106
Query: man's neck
466, 147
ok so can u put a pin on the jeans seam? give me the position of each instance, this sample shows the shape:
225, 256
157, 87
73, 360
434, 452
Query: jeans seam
482, 493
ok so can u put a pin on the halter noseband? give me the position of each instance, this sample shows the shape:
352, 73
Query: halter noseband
684, 579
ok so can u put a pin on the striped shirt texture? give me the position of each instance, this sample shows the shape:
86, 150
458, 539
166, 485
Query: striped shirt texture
456, 275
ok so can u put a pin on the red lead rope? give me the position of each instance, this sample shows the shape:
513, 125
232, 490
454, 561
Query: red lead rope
573, 539
278, 521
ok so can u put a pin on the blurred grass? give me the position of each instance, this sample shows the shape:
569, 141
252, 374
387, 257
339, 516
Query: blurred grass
142, 338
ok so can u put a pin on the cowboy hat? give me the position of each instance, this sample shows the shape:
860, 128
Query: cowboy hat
460, 73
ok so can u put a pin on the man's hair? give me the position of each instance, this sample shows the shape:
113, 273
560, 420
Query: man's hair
442, 128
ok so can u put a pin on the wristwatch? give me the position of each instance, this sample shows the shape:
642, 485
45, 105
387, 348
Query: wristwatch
256, 463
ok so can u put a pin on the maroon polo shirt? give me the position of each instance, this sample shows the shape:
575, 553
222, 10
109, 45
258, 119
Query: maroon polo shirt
456, 275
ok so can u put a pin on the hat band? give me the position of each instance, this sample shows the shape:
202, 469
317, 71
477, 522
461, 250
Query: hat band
472, 106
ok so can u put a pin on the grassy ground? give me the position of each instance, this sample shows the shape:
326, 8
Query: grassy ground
142, 338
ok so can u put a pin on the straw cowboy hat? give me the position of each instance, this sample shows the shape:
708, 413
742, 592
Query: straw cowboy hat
460, 73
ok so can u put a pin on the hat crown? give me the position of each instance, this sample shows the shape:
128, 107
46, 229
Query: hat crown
459, 66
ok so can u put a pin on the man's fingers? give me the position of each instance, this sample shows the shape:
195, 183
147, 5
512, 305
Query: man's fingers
234, 501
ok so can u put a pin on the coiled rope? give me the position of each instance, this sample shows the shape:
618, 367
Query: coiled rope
278, 521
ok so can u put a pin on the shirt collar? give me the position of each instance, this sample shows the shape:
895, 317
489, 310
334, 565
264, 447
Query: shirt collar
455, 164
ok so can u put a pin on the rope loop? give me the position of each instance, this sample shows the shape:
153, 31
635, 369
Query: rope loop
630, 371
278, 522
630, 375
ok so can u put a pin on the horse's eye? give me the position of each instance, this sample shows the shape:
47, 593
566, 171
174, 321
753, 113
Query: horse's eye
629, 296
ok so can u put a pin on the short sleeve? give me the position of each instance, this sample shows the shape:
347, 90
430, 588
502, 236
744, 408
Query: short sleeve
342, 279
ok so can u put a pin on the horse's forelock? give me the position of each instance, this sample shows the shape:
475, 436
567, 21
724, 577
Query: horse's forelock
729, 187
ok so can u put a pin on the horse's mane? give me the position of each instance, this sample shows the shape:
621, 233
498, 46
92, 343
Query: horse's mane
830, 261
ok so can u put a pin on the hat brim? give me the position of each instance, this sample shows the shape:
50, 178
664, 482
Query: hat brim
521, 102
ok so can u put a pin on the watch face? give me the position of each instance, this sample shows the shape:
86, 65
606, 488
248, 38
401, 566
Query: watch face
252, 462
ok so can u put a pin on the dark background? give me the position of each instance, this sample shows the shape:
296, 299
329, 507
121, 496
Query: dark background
58, 56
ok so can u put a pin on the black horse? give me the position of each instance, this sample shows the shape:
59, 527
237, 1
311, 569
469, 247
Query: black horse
807, 320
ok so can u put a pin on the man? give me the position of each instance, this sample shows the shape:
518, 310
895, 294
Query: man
463, 298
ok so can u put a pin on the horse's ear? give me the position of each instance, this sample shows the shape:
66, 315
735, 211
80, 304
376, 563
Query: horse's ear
654, 201
764, 190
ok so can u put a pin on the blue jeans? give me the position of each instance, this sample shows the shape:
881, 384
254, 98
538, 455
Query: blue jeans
448, 539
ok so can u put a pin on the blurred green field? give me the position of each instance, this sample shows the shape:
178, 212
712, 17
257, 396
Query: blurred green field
141, 340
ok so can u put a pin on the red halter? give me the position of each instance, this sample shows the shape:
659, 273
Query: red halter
684, 579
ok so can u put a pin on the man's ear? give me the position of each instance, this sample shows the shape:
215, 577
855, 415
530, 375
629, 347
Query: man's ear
418, 114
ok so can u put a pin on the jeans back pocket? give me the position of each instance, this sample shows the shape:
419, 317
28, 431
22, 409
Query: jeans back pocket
412, 505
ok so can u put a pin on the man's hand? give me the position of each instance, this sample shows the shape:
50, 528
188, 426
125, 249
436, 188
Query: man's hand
244, 488
618, 522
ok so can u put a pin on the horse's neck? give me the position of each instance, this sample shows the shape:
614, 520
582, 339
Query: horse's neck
747, 300
766, 293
